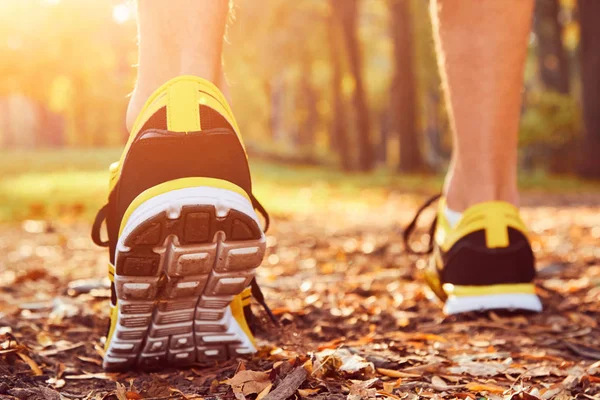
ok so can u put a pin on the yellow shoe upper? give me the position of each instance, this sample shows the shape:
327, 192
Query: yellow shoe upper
494, 219
177, 106
186, 134
486, 251
185, 131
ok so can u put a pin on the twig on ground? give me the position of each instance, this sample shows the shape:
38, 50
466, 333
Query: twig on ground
289, 385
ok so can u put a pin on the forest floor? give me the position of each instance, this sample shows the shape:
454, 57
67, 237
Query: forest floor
357, 319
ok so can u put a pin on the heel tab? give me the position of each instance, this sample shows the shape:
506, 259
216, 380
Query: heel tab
181, 96
495, 217
182, 105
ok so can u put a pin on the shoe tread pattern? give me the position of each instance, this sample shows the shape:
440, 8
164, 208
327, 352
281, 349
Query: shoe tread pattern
174, 284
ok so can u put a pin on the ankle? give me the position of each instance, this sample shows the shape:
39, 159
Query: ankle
463, 193
149, 82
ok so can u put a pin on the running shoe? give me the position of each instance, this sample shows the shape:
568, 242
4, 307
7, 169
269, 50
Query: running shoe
484, 262
183, 235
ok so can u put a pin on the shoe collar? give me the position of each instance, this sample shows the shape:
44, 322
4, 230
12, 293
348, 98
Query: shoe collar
494, 217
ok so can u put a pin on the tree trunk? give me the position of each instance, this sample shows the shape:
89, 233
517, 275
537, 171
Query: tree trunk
347, 12
339, 137
308, 114
403, 93
589, 10
554, 70
276, 90
552, 58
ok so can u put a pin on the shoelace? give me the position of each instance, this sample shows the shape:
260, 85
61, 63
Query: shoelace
411, 227
97, 227
260, 298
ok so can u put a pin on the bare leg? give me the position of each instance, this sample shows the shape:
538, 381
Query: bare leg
177, 37
482, 47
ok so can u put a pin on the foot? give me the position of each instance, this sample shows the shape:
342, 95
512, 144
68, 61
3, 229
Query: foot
183, 235
484, 262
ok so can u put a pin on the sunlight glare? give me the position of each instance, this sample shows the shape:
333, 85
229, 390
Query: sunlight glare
121, 13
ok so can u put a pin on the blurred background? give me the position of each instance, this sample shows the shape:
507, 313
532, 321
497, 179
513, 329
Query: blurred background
324, 90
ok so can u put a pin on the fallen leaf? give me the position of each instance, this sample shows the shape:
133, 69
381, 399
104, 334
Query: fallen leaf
264, 392
389, 386
524, 396
90, 360
362, 390
484, 387
44, 339
388, 395
307, 392
479, 368
342, 360
37, 371
397, 374
121, 392
248, 382
439, 382
60, 347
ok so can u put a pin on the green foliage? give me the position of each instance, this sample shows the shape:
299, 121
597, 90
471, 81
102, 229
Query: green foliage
551, 120
72, 184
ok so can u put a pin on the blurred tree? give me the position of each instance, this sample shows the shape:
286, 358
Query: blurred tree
308, 117
346, 12
553, 69
403, 87
589, 10
338, 136
552, 57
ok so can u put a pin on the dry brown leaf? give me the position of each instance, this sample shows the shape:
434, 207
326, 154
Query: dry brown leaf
479, 368
342, 360
44, 339
90, 360
64, 346
389, 386
388, 395
121, 392
37, 371
439, 382
308, 366
264, 392
307, 392
249, 382
333, 344
485, 387
417, 336
524, 396
595, 365
98, 375
11, 350
100, 351
56, 383
362, 390
396, 374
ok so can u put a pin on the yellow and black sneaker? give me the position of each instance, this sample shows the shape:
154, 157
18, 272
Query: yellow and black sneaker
484, 262
183, 234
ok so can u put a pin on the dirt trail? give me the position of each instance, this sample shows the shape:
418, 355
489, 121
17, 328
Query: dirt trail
354, 311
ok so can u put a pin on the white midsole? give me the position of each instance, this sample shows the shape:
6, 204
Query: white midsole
510, 301
205, 343
172, 202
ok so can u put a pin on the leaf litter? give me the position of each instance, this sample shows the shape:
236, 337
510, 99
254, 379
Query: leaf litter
357, 321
